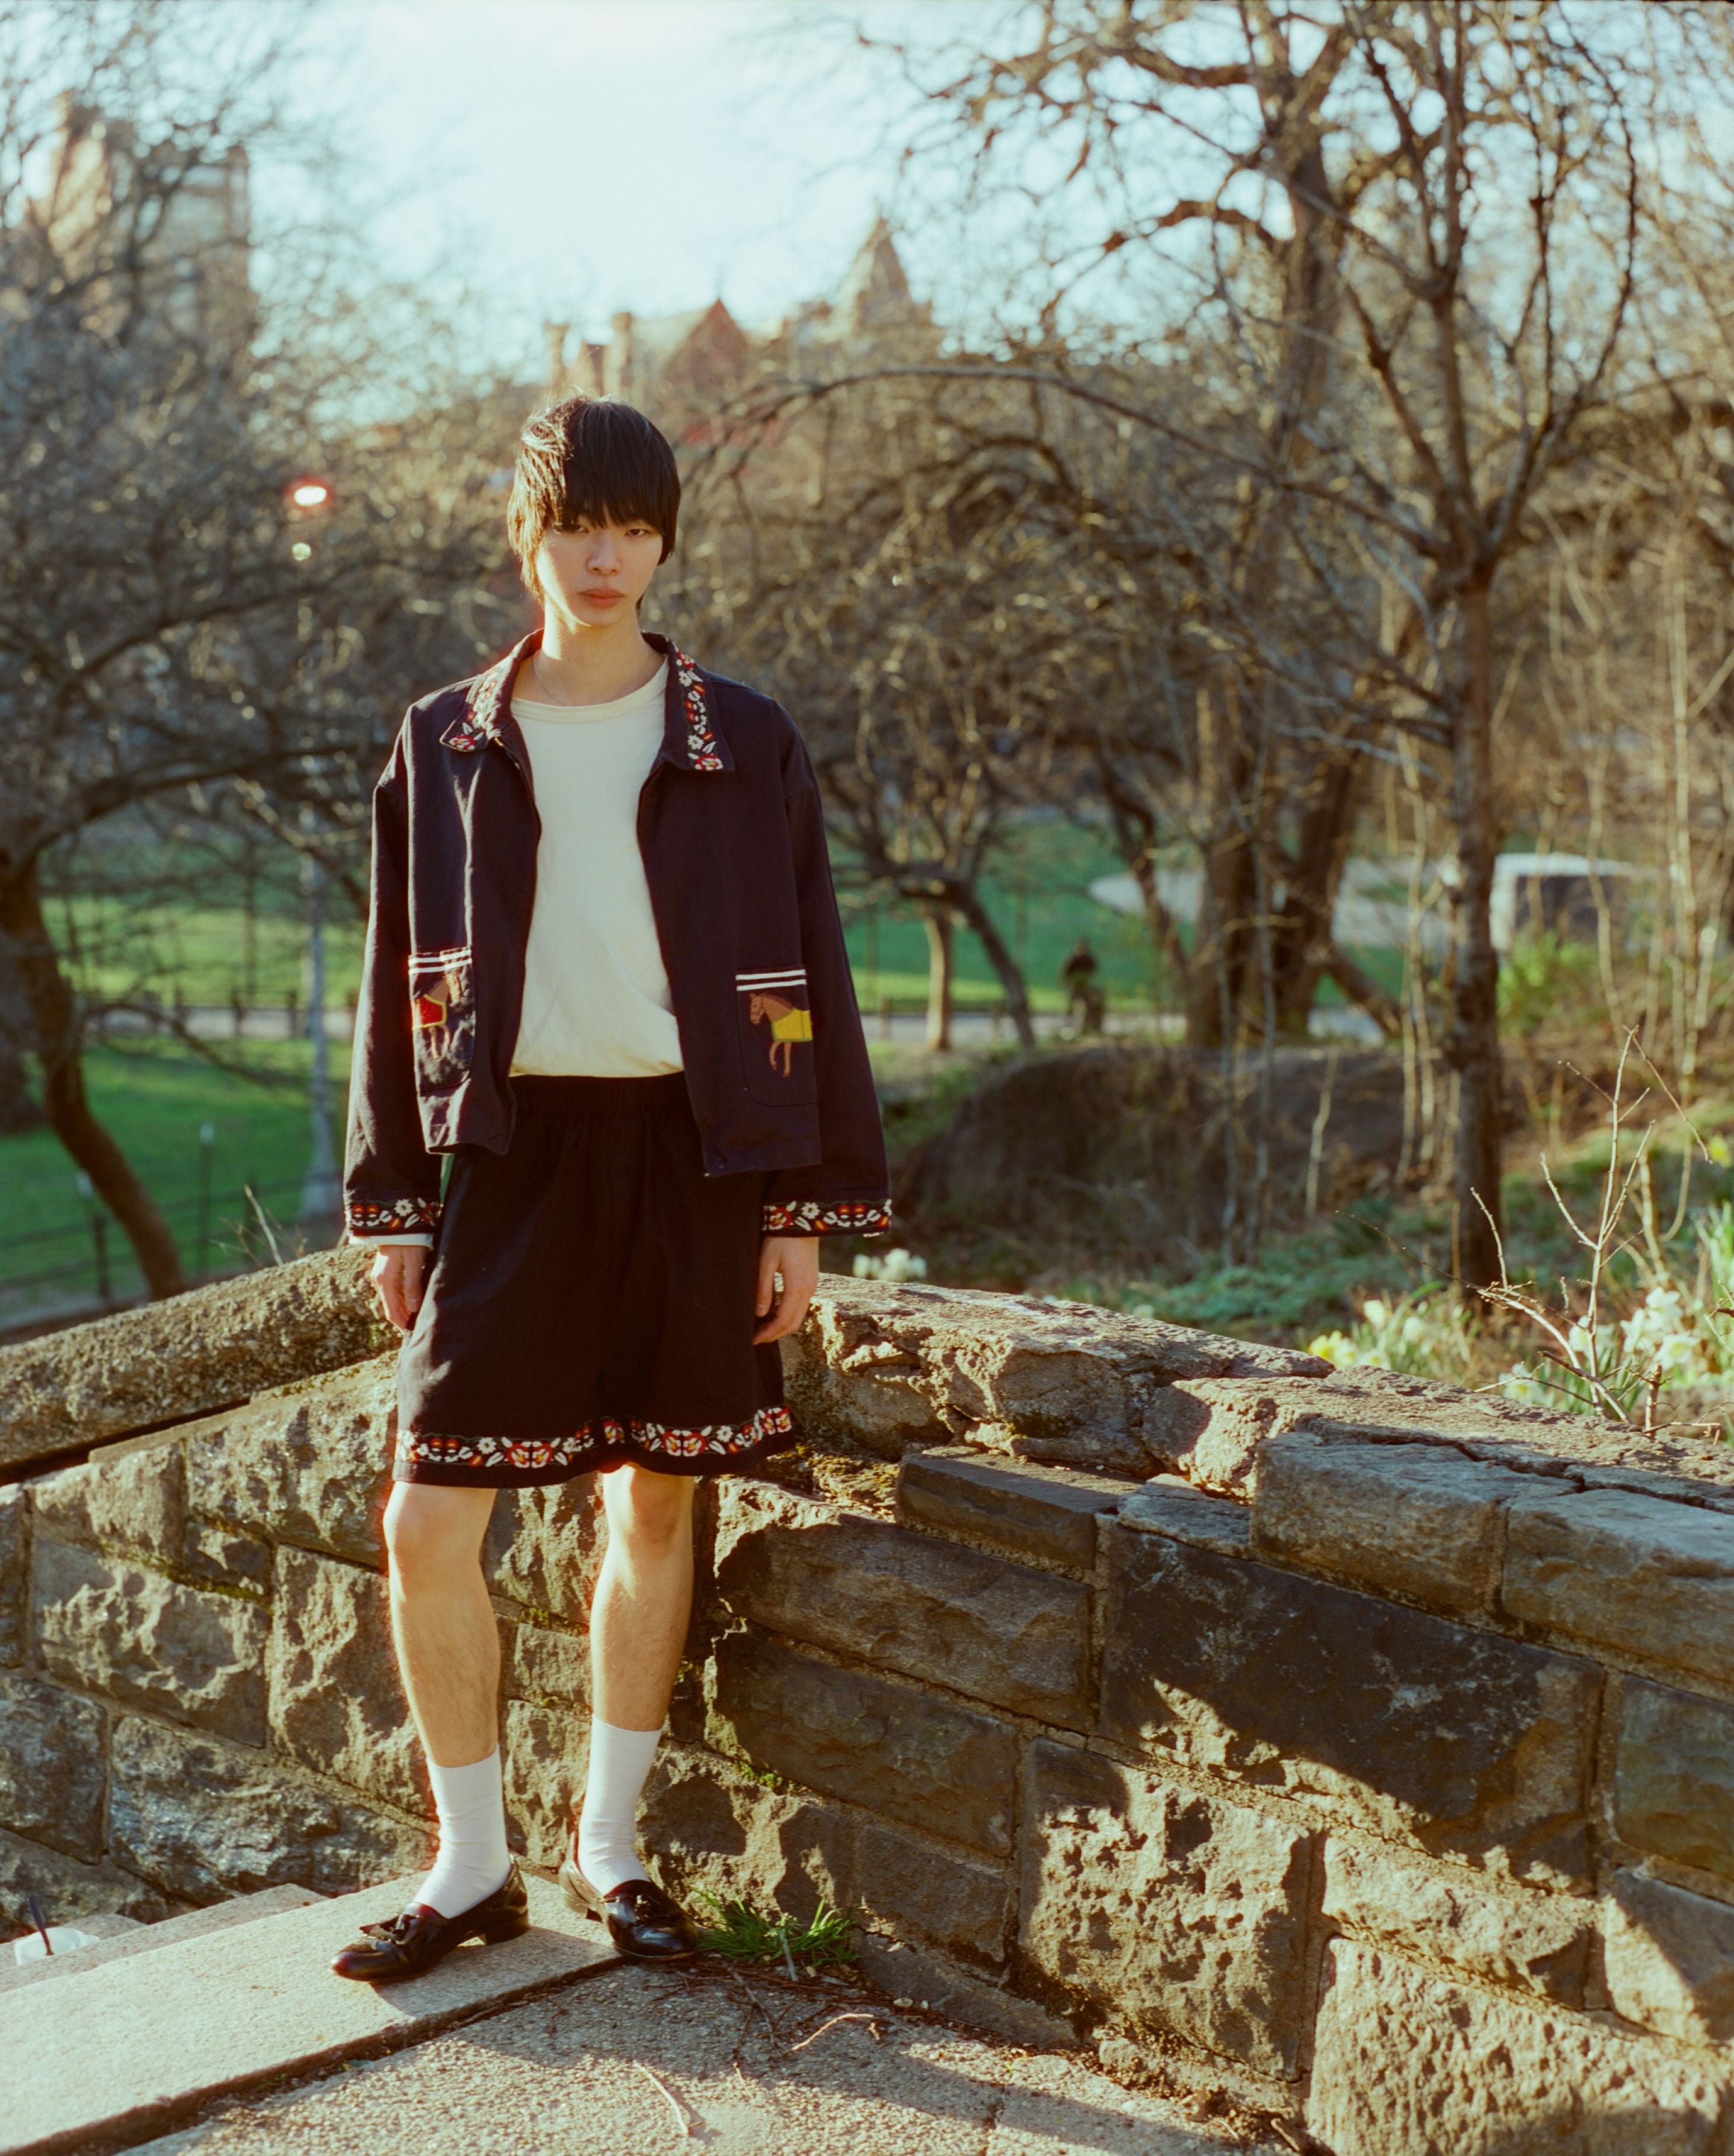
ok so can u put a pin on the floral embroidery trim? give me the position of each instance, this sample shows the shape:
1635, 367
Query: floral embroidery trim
367, 1216
476, 722
720, 1440
810, 1218
702, 750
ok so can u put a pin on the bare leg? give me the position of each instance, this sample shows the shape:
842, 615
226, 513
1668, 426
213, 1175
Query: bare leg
442, 1621
643, 1596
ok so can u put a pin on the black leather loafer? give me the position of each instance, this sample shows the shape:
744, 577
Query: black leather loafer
418, 1937
643, 1923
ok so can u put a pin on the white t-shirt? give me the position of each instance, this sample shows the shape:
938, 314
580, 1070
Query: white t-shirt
595, 995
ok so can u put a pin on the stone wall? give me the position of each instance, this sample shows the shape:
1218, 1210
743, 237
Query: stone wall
1358, 1746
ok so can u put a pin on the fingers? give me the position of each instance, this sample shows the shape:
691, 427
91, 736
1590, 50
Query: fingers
398, 1274
795, 1258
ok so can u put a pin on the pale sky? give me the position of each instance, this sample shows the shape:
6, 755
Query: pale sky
570, 157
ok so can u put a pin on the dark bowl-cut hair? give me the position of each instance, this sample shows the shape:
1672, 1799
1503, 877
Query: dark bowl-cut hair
592, 457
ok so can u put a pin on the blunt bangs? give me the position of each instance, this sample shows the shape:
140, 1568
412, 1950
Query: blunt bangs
590, 457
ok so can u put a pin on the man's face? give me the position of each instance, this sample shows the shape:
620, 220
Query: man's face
594, 573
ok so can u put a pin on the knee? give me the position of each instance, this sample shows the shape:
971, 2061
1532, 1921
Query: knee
428, 1536
650, 1513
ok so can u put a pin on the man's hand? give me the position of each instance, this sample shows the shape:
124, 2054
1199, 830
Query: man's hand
796, 1257
399, 1269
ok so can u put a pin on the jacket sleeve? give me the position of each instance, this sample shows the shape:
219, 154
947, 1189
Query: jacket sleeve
848, 1191
391, 1182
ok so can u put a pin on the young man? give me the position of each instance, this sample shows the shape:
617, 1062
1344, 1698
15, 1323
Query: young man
605, 972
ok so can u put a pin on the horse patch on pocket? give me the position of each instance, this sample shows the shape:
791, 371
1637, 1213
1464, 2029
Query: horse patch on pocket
778, 1015
442, 1004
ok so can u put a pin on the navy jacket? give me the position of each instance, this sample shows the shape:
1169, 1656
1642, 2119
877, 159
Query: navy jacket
731, 830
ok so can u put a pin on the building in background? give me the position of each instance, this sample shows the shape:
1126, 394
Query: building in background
682, 367
160, 233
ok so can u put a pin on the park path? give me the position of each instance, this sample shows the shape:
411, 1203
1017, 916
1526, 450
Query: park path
635, 2061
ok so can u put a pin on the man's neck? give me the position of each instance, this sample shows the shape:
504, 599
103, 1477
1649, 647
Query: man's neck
581, 665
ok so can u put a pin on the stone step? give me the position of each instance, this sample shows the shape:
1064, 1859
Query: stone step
128, 1938
116, 2053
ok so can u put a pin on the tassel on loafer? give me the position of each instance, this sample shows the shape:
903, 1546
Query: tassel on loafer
418, 1937
641, 1922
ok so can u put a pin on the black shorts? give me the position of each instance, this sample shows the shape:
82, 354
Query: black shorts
590, 1301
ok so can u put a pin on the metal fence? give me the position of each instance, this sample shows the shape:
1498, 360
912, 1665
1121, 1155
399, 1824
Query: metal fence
89, 1265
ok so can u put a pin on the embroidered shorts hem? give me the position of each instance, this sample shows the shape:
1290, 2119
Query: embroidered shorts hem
592, 1299
517, 1463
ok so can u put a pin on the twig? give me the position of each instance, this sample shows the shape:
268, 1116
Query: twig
831, 2024
674, 2104
253, 1200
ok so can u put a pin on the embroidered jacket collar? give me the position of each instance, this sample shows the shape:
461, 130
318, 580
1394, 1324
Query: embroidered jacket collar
690, 738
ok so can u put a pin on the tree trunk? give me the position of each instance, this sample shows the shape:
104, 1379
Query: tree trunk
999, 957
49, 997
1165, 940
1472, 1048
20, 1110
1223, 935
1360, 989
937, 919
1302, 938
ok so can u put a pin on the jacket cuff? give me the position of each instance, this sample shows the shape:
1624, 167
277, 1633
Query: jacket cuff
422, 1242
808, 1217
366, 1218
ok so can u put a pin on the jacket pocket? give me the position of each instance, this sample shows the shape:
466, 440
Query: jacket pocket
775, 1022
442, 1005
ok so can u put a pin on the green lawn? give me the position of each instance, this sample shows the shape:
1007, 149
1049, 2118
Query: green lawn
153, 1097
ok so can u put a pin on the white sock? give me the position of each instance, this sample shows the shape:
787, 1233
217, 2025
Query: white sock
608, 1841
473, 1858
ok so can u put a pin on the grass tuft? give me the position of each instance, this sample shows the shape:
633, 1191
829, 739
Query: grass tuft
742, 1934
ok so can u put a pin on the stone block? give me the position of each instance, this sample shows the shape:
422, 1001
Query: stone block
548, 1667
979, 1623
214, 1552
336, 1703
1409, 2064
1464, 1742
707, 1829
545, 1547
545, 1753
967, 1999
1538, 1942
51, 1765
921, 1892
135, 1502
877, 1402
1210, 1430
109, 1626
1047, 1513
1674, 1776
188, 1355
1670, 1959
1178, 1912
1169, 1505
894, 1365
205, 1818
69, 1890
311, 1465
1415, 1520
1633, 1574
881, 1744
14, 1574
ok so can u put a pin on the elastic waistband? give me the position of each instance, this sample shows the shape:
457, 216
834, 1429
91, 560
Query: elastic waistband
584, 1096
